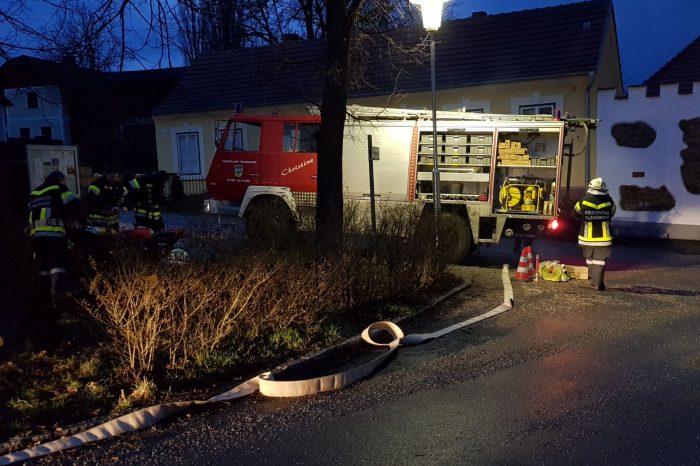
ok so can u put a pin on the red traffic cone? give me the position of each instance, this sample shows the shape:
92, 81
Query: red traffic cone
523, 272
530, 263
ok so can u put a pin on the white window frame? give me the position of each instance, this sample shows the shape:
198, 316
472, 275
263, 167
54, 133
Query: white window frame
200, 148
536, 99
467, 105
537, 108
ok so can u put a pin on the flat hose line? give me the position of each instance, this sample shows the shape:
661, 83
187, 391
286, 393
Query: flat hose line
264, 383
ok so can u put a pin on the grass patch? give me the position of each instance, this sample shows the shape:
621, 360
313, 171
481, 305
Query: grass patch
46, 390
399, 310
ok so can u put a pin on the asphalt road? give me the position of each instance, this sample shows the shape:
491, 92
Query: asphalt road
569, 376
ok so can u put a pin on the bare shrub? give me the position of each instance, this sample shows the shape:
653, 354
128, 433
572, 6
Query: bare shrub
170, 317
185, 312
130, 302
398, 259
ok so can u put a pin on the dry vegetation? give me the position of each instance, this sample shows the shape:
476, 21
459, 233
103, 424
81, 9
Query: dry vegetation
157, 324
176, 315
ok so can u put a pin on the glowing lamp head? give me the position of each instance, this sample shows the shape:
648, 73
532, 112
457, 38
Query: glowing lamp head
432, 13
554, 224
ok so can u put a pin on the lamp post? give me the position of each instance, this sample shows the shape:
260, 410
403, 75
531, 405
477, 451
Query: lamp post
432, 17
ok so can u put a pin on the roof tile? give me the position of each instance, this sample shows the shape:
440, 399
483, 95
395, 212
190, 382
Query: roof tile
683, 69
546, 42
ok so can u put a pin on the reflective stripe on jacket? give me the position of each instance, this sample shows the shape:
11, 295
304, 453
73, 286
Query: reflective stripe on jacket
596, 211
103, 199
47, 204
145, 194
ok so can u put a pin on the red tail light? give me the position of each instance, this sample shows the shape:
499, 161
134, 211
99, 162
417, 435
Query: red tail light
554, 224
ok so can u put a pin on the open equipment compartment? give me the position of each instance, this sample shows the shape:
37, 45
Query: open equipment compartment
527, 169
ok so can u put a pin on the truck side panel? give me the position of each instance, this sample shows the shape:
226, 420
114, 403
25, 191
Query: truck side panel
391, 170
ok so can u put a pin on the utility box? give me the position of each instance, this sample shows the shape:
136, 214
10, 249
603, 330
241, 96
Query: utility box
42, 160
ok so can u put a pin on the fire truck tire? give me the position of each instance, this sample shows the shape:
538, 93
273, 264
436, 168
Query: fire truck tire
455, 237
269, 222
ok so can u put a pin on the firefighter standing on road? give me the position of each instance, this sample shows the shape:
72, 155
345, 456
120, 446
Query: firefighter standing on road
50, 207
145, 194
103, 198
596, 208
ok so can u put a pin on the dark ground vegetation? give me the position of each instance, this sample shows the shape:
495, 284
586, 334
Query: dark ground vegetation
140, 329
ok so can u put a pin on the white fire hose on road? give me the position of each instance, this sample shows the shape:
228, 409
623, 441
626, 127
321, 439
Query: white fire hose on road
264, 383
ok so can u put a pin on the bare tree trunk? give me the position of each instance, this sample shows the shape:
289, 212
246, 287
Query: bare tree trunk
307, 8
329, 205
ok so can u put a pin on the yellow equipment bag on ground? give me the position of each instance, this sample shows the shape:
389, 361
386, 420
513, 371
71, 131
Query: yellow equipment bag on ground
553, 271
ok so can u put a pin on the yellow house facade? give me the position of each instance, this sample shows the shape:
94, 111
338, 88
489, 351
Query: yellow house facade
541, 77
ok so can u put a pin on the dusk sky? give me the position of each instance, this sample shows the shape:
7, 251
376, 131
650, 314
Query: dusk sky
649, 32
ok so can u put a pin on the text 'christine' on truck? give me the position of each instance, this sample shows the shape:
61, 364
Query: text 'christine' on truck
500, 175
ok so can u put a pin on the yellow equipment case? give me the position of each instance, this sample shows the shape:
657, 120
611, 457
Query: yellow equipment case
523, 195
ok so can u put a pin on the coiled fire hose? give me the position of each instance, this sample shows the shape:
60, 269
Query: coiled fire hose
265, 383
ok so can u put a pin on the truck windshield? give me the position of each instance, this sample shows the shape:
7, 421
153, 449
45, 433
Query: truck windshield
242, 136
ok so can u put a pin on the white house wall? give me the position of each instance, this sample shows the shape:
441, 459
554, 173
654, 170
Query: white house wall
660, 163
48, 113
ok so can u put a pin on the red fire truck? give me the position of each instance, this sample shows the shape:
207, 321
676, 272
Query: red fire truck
499, 174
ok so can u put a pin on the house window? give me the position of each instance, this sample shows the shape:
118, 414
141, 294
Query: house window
32, 100
24, 133
46, 132
188, 159
537, 109
301, 137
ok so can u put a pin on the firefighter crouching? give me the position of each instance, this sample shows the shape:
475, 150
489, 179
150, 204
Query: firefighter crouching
51, 205
145, 194
103, 198
596, 208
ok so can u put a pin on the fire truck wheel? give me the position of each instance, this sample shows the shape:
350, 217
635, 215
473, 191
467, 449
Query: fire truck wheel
455, 237
269, 223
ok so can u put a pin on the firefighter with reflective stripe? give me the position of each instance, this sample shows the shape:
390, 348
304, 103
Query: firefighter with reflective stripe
103, 198
145, 195
50, 206
596, 209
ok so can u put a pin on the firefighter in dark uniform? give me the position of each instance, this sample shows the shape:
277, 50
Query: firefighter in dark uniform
103, 198
51, 205
595, 209
145, 194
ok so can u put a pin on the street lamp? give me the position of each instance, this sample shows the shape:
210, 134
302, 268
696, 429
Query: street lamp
432, 16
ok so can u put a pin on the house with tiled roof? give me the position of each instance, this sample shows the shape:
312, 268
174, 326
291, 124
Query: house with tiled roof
532, 61
649, 141
106, 114
683, 69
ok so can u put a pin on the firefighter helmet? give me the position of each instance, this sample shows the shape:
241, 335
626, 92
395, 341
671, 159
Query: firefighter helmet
598, 184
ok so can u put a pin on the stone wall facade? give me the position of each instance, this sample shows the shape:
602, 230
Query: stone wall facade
649, 156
